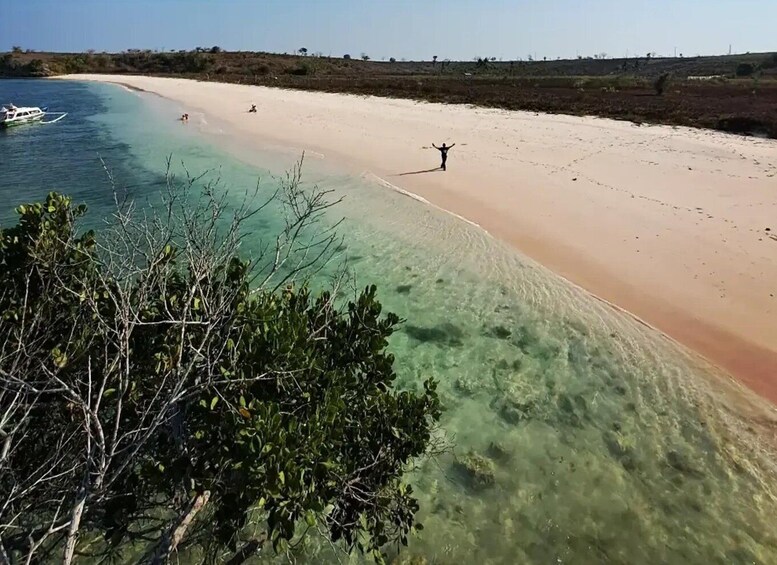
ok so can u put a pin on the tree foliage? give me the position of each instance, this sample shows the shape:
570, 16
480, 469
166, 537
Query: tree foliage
154, 398
745, 70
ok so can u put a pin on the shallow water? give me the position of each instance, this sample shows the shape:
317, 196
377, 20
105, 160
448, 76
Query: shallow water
599, 439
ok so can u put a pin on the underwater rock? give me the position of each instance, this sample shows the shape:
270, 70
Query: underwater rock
679, 462
466, 385
619, 451
505, 366
523, 338
404, 288
519, 404
446, 334
478, 471
511, 413
530, 342
577, 356
572, 410
628, 463
614, 445
499, 452
620, 389
498, 332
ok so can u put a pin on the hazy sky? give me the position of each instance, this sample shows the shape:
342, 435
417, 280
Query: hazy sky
412, 29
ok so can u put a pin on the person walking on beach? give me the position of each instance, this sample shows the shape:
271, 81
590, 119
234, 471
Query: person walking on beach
443, 154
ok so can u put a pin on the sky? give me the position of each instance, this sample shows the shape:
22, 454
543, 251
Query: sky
404, 29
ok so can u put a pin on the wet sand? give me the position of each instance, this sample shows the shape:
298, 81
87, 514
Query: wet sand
676, 226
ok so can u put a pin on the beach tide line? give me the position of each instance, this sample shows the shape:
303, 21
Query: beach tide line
372, 177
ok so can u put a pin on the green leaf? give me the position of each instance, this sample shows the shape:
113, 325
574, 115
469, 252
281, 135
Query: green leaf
108, 392
310, 518
214, 402
280, 545
282, 478
59, 358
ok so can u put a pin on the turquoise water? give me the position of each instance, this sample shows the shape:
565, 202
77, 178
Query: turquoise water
603, 442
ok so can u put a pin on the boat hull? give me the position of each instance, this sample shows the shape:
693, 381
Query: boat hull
14, 123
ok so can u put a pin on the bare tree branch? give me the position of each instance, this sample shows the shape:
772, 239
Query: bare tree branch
169, 542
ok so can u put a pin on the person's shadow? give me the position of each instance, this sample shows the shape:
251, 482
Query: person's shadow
418, 172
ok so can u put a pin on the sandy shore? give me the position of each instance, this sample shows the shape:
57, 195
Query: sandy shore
677, 226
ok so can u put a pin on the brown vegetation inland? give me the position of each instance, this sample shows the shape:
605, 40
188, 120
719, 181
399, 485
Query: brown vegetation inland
736, 93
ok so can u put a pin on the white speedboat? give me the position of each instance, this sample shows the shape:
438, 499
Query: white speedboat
12, 116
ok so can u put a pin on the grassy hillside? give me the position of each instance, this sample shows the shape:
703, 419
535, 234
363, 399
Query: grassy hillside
736, 93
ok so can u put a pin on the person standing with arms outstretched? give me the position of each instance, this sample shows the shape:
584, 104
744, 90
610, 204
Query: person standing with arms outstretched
443, 153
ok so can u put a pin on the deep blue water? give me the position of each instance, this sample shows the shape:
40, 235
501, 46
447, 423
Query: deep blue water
65, 156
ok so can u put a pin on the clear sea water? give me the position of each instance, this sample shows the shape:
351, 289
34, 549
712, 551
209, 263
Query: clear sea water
608, 443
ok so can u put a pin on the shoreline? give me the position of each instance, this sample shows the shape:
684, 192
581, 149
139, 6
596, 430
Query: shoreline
687, 331
569, 194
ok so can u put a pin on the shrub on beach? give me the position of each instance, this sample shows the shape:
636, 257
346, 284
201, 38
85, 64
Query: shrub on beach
660, 84
769, 62
301, 69
262, 69
745, 70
